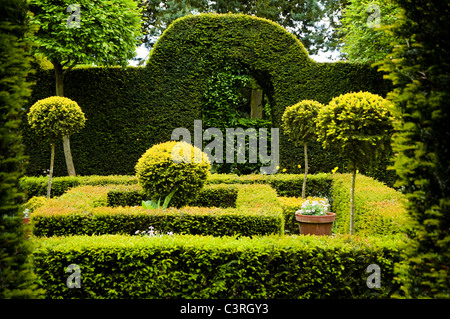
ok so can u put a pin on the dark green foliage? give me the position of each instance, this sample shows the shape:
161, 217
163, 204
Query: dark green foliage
182, 267
16, 277
129, 196
217, 196
210, 196
420, 70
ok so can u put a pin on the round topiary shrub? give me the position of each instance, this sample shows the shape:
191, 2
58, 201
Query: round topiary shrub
55, 117
359, 126
173, 165
299, 123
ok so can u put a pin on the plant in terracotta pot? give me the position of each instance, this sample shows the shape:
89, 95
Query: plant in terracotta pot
314, 218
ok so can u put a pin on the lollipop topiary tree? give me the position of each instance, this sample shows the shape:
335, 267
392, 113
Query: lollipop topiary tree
173, 167
53, 118
359, 127
299, 123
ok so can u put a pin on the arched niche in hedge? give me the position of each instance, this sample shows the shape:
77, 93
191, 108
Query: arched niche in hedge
194, 47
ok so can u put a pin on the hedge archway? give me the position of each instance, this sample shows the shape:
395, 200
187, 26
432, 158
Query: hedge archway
195, 46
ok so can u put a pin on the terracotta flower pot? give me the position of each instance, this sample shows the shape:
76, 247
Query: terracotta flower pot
315, 225
26, 220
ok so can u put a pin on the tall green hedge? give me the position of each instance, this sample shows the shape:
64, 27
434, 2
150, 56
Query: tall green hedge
129, 110
16, 275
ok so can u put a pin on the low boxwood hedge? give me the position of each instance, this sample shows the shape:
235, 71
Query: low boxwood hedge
380, 210
185, 266
37, 186
285, 184
82, 211
318, 185
219, 195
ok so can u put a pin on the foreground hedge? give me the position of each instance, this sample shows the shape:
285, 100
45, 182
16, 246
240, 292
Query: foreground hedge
115, 266
83, 211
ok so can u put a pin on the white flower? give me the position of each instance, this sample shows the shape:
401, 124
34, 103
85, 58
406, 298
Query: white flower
137, 232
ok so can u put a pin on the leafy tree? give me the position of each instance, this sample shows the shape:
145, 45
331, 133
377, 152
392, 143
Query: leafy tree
419, 68
53, 118
302, 17
364, 30
103, 32
16, 277
299, 122
359, 127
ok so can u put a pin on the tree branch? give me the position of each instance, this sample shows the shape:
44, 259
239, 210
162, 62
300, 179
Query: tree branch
71, 66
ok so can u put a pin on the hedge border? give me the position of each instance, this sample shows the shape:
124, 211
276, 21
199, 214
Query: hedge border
184, 266
257, 213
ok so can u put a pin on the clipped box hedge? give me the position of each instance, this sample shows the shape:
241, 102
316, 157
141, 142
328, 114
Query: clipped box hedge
318, 185
37, 186
83, 211
380, 210
185, 266
220, 195
285, 184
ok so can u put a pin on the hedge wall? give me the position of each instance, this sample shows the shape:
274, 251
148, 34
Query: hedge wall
184, 266
129, 110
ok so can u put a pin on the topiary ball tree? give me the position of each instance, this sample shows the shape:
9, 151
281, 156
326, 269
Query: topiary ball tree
170, 166
299, 123
53, 118
359, 127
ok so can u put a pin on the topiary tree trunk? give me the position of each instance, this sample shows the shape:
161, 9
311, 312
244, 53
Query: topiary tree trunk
50, 175
306, 170
352, 203
59, 79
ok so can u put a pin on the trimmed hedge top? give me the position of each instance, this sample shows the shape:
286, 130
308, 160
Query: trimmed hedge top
185, 266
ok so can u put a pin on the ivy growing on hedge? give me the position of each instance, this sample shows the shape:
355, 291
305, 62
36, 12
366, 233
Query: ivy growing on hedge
131, 109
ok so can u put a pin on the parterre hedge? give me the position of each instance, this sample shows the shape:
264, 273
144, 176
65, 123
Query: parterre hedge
37, 186
220, 195
380, 210
185, 266
82, 211
129, 110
